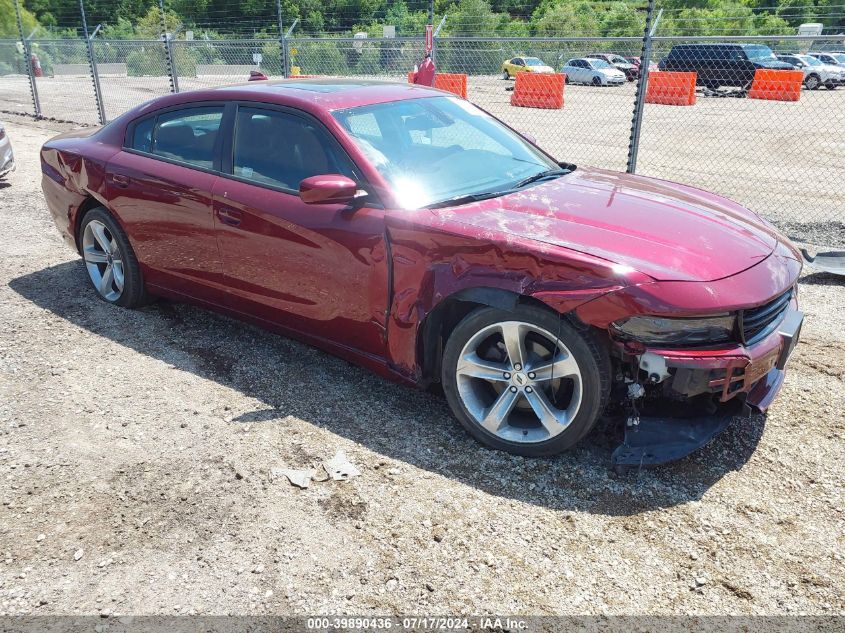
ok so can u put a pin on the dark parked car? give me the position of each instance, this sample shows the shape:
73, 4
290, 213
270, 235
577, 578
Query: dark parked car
722, 64
404, 229
631, 71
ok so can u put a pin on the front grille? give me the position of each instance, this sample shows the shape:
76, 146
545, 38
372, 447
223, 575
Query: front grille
754, 321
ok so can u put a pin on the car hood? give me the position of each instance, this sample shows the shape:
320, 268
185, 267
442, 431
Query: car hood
665, 230
610, 72
542, 69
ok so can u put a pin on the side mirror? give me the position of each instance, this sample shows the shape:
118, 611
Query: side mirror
327, 189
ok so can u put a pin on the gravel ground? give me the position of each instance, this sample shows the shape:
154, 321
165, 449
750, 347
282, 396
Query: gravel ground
135, 449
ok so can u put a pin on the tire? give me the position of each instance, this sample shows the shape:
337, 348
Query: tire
505, 75
596, 81
500, 408
830, 85
105, 247
812, 82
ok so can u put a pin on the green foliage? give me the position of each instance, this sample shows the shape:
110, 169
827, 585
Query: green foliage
9, 23
140, 19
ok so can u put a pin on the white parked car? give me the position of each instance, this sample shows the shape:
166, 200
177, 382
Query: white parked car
595, 72
816, 73
7, 158
833, 58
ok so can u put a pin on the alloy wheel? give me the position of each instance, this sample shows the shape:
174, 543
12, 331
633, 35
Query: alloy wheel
103, 260
519, 382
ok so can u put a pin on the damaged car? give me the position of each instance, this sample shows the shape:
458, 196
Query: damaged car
409, 231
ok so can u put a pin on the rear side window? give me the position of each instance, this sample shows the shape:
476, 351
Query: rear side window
142, 137
280, 149
188, 135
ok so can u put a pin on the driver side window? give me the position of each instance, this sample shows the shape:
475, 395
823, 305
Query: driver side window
280, 149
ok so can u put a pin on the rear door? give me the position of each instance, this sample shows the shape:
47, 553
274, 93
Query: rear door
160, 187
321, 269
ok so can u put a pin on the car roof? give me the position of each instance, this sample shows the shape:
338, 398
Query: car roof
328, 93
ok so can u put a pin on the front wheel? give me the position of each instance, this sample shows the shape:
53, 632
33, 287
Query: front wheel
830, 85
596, 81
525, 382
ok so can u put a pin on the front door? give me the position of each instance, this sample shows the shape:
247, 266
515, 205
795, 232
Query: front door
320, 269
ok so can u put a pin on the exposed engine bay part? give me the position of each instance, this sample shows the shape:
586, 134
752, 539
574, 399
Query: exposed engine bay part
654, 366
832, 262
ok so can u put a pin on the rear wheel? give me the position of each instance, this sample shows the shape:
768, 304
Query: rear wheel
812, 82
112, 267
526, 382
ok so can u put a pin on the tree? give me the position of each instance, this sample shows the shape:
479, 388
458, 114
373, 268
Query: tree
9, 23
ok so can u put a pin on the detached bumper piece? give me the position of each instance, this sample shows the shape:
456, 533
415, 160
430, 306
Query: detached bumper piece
658, 440
832, 262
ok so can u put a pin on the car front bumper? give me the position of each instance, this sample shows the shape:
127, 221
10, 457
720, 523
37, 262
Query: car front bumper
7, 159
741, 379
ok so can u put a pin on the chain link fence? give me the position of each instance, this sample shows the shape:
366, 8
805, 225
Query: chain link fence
595, 123
131, 72
15, 94
781, 153
774, 140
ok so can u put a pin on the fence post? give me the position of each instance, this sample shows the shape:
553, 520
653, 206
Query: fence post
434, 37
282, 48
642, 83
27, 53
92, 63
168, 50
286, 48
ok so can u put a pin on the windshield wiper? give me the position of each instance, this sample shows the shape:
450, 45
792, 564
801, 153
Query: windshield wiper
472, 197
551, 173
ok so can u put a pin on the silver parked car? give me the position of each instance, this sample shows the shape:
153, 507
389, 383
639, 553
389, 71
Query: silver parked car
594, 72
833, 58
816, 73
7, 157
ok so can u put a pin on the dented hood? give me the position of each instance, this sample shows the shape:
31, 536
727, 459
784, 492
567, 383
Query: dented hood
665, 230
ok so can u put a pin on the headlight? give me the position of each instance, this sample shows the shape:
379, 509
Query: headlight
681, 331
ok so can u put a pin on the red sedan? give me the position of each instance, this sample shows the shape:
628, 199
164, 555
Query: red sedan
407, 230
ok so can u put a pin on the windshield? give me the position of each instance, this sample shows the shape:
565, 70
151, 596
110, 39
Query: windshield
618, 60
434, 149
840, 58
758, 51
810, 61
533, 61
599, 63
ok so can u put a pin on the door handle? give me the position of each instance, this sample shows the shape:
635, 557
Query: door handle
228, 215
120, 180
